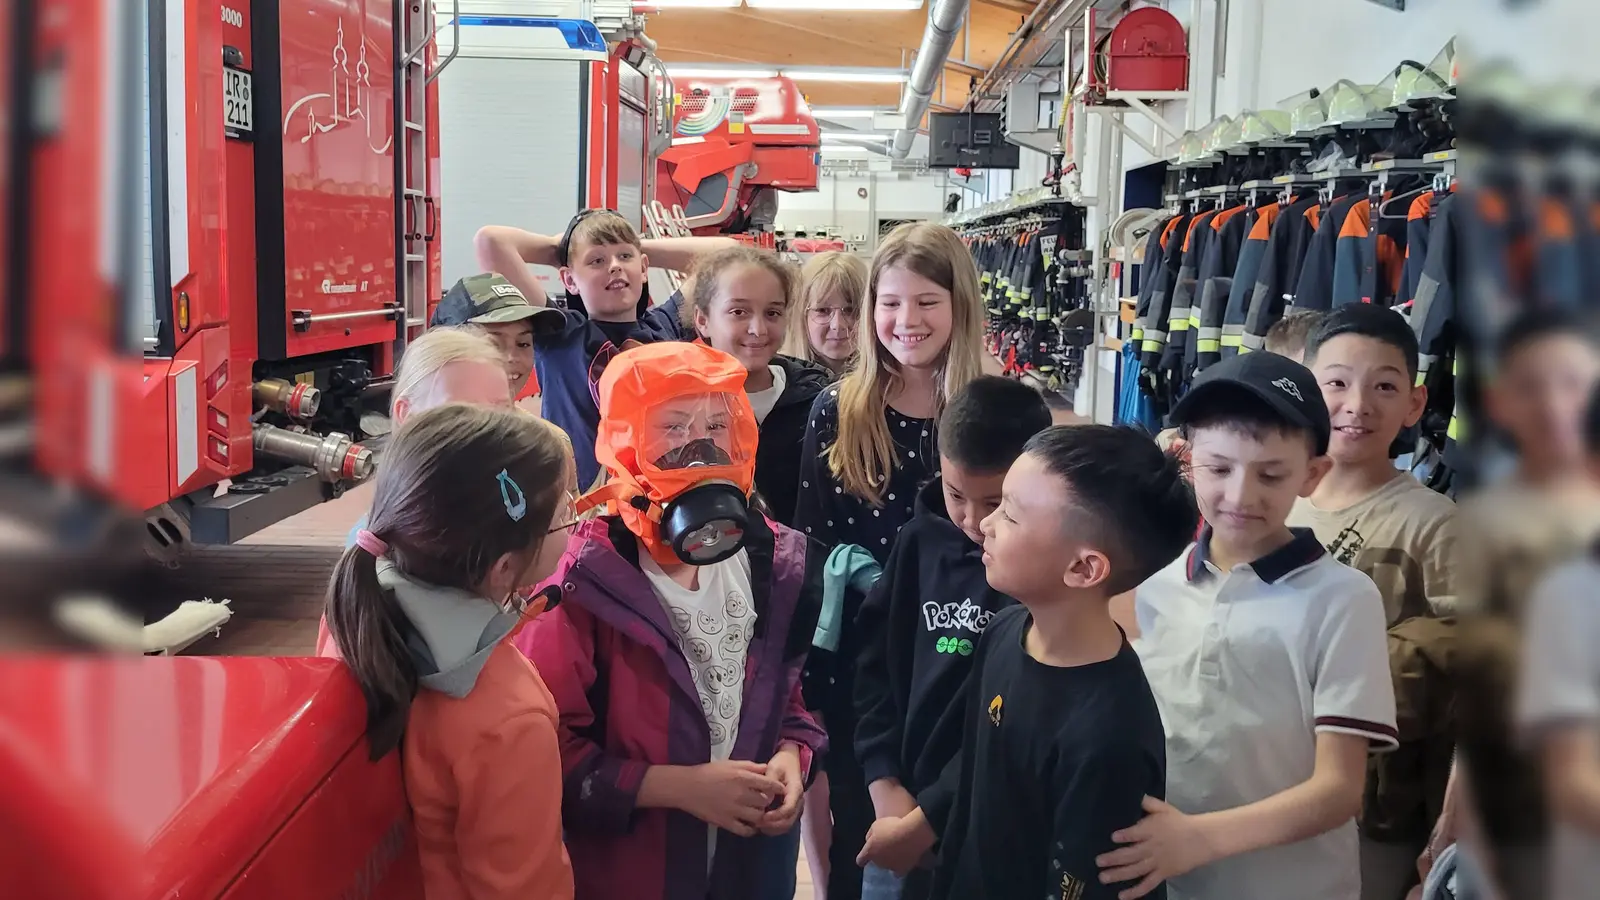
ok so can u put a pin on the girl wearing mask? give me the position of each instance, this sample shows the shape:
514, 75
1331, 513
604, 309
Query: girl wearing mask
469, 504
676, 653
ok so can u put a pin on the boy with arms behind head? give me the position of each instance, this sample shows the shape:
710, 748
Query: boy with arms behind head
605, 269
1388, 525
1268, 659
918, 628
1062, 740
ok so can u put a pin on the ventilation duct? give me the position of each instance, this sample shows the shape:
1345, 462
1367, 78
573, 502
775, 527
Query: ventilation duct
944, 20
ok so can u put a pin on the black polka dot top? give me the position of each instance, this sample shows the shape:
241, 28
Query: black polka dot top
833, 516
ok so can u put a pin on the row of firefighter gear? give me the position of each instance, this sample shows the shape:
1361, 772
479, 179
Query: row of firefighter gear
1460, 263
1215, 281
1033, 276
1223, 277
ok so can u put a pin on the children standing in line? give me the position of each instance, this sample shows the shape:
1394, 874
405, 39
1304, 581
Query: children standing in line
675, 657
605, 268
1388, 525
740, 305
823, 329
1267, 657
468, 506
1062, 739
869, 447
919, 627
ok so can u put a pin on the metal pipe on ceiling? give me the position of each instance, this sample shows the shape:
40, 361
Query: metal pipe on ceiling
1041, 23
944, 20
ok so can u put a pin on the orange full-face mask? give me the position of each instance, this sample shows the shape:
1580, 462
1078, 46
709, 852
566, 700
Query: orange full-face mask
678, 438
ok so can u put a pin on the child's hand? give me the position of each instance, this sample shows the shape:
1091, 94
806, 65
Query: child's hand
890, 799
785, 769
732, 795
898, 844
1165, 844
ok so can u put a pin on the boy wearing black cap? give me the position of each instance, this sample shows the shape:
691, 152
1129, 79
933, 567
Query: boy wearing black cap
1267, 657
604, 267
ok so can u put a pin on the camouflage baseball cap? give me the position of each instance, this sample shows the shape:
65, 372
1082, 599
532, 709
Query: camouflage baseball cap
490, 299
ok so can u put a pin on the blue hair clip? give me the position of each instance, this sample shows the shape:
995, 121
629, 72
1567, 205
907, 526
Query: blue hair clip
511, 495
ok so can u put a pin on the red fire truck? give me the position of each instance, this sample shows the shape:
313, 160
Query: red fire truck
225, 225
286, 204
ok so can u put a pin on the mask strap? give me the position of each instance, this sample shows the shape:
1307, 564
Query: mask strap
614, 494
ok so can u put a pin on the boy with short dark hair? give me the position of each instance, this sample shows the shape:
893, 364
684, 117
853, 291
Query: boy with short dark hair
1062, 740
919, 627
1267, 657
1287, 337
1365, 511
604, 267
1388, 525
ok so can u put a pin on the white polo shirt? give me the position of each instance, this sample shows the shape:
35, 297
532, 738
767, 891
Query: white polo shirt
1247, 666
1560, 685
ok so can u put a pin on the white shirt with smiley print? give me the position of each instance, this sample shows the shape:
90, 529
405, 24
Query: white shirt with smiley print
713, 625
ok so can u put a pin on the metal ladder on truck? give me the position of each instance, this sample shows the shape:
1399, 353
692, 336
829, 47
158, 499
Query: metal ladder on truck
418, 208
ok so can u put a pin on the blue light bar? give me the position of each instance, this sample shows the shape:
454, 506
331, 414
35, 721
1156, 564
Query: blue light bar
578, 33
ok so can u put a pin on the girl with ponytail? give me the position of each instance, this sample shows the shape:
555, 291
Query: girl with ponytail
470, 504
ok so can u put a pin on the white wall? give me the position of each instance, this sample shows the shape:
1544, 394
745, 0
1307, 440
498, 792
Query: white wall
889, 195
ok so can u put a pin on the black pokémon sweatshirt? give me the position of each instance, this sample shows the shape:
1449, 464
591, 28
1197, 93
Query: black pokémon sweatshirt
917, 630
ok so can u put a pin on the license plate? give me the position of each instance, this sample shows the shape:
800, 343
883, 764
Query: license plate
238, 115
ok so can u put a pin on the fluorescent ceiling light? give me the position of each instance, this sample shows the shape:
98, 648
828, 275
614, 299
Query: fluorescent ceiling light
712, 72
831, 136
845, 5
880, 76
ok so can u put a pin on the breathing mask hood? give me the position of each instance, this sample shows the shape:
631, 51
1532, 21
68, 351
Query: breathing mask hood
678, 440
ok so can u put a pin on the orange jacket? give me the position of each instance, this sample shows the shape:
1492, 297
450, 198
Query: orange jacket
483, 776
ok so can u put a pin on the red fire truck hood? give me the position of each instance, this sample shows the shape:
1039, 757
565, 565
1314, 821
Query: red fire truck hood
179, 768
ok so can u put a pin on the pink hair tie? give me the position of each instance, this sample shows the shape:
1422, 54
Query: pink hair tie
371, 543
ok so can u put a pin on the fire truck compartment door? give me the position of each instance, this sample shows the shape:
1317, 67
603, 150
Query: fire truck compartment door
514, 131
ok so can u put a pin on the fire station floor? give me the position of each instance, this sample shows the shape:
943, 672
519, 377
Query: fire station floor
275, 579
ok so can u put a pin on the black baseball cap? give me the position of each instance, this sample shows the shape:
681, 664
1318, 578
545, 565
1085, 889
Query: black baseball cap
1278, 381
490, 299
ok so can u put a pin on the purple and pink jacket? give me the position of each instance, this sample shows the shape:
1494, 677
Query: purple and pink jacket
627, 701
